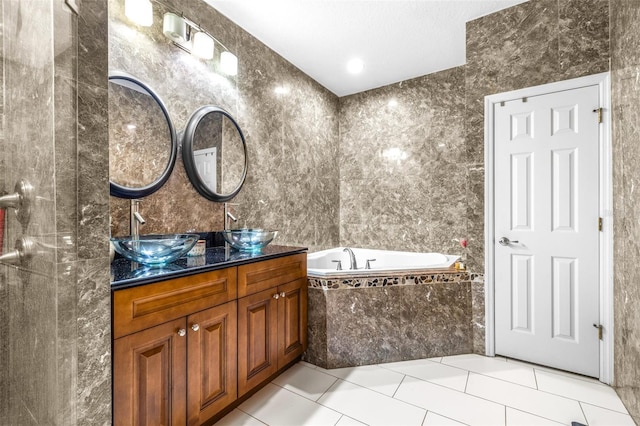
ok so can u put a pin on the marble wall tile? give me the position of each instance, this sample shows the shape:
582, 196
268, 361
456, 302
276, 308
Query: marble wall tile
93, 342
403, 165
292, 137
478, 322
625, 64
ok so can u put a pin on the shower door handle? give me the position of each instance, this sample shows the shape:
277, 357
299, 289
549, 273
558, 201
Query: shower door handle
504, 241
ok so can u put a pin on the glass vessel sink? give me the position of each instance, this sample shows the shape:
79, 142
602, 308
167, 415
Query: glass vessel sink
155, 250
248, 239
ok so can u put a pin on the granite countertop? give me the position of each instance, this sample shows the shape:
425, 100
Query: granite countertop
124, 274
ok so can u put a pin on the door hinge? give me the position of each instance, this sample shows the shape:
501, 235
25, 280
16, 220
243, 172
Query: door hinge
599, 111
600, 224
599, 327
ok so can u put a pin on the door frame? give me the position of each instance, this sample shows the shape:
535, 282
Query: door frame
605, 206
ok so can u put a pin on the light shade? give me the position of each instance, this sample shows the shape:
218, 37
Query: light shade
139, 12
174, 27
202, 45
229, 63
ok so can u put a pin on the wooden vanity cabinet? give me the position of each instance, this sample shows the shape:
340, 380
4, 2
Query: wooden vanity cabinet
186, 349
182, 371
272, 322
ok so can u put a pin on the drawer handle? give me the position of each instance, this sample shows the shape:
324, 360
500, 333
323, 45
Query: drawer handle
283, 294
195, 327
182, 332
276, 296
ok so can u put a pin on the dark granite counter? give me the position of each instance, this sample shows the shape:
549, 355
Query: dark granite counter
124, 273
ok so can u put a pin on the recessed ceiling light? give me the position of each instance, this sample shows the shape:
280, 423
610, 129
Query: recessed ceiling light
355, 66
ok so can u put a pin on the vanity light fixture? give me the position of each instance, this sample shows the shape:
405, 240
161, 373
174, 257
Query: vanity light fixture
139, 12
192, 38
229, 63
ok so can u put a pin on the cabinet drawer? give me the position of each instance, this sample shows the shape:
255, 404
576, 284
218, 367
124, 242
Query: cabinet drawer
259, 276
141, 307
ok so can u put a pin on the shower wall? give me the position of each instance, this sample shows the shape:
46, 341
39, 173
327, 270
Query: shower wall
55, 339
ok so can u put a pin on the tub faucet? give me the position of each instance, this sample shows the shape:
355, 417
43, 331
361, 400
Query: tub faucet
352, 258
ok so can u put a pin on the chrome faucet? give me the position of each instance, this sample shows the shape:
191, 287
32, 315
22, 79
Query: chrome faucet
228, 216
352, 258
135, 219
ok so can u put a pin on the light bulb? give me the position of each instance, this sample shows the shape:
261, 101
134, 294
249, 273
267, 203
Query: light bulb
355, 66
202, 45
229, 63
139, 12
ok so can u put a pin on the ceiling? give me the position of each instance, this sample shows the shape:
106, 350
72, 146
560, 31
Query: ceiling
396, 39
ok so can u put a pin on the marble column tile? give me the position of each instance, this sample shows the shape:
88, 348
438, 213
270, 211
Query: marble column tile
32, 342
93, 43
67, 344
630, 396
4, 346
478, 323
94, 342
475, 218
316, 352
584, 36
93, 172
362, 329
435, 320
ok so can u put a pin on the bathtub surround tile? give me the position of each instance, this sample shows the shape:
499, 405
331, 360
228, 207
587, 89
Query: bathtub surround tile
364, 321
478, 315
370, 407
316, 352
436, 320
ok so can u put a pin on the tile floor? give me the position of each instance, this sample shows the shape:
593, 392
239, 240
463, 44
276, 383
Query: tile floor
456, 390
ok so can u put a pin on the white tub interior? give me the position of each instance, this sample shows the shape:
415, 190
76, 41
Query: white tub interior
321, 263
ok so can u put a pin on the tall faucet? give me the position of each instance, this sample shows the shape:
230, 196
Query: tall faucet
228, 216
135, 219
352, 258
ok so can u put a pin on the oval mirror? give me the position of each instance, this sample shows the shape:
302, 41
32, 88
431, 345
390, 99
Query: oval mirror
214, 153
142, 140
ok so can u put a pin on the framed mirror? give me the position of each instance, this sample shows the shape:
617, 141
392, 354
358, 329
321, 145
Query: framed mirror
214, 153
143, 143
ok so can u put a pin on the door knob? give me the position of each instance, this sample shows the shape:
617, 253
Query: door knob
504, 241
195, 327
182, 332
276, 296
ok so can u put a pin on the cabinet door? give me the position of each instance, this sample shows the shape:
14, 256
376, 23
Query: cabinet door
292, 321
257, 339
212, 362
149, 377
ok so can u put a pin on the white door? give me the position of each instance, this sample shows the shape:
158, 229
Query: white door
546, 204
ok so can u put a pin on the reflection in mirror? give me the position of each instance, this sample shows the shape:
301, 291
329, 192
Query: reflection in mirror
142, 139
214, 154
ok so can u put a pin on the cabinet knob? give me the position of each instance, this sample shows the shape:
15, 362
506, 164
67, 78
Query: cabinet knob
182, 332
276, 296
283, 294
195, 327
